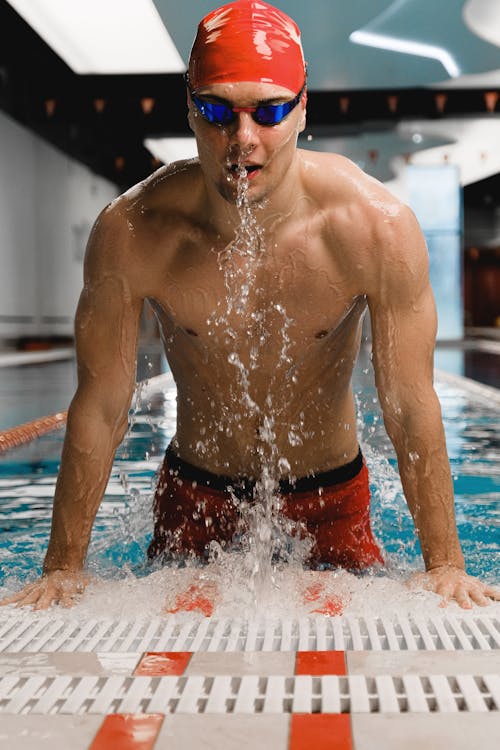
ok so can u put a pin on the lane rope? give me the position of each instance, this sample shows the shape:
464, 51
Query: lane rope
24, 433
13, 437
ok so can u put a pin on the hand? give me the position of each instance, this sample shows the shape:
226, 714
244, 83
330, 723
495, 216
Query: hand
451, 582
57, 587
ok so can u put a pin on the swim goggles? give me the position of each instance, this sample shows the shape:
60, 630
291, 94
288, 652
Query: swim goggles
218, 113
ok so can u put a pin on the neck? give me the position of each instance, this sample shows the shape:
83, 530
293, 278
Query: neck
225, 215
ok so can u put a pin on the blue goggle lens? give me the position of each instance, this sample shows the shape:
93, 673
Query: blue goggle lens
223, 114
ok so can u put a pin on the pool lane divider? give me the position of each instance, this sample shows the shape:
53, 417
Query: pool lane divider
25, 433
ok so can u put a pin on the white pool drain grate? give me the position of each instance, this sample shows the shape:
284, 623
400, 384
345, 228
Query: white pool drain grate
250, 694
206, 634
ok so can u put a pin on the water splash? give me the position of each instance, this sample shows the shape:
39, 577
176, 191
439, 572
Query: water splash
266, 537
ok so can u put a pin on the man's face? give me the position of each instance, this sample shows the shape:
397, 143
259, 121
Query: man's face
265, 152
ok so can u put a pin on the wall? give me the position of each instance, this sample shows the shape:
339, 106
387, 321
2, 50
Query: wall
48, 203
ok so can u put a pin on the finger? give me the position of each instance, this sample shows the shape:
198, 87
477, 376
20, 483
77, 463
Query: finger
12, 598
18, 595
67, 601
446, 592
463, 599
30, 598
492, 592
46, 600
478, 597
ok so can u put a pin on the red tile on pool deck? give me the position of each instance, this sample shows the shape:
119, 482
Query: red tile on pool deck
162, 663
128, 732
320, 732
320, 662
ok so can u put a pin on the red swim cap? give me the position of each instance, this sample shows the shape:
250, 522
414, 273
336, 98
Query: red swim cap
247, 40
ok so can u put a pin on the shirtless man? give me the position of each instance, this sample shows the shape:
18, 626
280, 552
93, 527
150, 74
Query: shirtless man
329, 242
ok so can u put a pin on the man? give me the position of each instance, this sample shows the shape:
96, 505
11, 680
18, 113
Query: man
261, 260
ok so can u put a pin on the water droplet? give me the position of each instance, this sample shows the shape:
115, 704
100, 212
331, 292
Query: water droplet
294, 439
284, 465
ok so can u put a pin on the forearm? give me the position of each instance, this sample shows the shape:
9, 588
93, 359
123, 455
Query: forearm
87, 457
425, 474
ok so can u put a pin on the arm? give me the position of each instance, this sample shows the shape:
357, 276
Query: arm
106, 329
404, 327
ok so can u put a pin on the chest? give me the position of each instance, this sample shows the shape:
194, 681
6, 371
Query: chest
290, 280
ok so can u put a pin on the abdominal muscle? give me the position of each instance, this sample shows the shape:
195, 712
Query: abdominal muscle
295, 417
317, 439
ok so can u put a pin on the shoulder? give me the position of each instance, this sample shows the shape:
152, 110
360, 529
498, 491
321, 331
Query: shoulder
345, 191
125, 228
373, 230
166, 189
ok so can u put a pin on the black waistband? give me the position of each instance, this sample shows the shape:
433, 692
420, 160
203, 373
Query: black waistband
243, 485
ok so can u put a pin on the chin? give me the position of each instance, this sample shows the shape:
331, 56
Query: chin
256, 195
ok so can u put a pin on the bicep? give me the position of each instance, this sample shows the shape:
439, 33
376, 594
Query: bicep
404, 323
404, 336
403, 349
106, 333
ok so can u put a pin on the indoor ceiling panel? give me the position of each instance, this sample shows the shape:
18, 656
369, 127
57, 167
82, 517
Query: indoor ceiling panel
483, 18
439, 26
335, 62
114, 36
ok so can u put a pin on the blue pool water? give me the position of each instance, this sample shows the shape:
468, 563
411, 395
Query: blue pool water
124, 522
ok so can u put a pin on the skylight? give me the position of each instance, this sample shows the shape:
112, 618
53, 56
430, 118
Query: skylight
104, 36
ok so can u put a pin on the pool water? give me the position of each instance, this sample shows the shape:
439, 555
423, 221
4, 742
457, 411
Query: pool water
124, 522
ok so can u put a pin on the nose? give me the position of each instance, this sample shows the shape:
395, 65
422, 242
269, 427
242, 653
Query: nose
244, 131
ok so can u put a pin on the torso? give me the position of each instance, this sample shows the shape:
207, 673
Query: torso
263, 375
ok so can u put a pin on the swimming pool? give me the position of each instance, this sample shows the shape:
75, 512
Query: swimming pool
124, 522
261, 672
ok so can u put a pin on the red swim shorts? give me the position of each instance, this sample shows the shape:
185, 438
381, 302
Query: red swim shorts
193, 507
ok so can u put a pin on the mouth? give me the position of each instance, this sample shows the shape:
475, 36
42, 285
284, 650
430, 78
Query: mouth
237, 170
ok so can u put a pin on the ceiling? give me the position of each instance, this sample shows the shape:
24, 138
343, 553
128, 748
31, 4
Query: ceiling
334, 62
362, 99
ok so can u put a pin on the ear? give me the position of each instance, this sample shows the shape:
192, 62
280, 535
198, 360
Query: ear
303, 105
